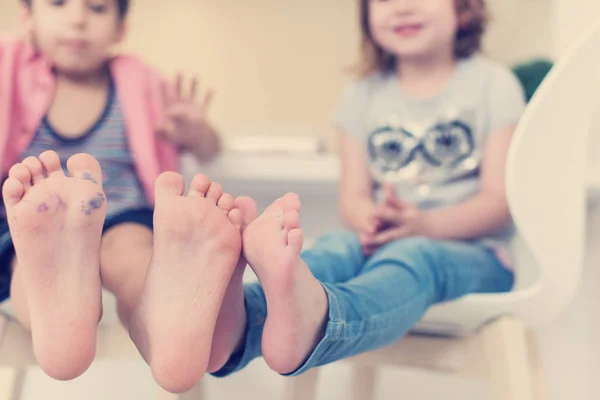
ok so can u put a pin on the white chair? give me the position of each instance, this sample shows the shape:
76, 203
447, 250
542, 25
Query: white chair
16, 352
487, 335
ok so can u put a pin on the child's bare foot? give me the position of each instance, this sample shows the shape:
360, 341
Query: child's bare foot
197, 245
231, 323
297, 305
56, 226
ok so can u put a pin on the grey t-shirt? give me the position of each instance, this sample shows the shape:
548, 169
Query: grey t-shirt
431, 149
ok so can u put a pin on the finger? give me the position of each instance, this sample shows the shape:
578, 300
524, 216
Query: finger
165, 94
382, 224
371, 227
207, 99
365, 238
386, 237
391, 196
389, 192
369, 250
398, 203
371, 224
368, 240
166, 128
369, 243
179, 86
193, 89
388, 214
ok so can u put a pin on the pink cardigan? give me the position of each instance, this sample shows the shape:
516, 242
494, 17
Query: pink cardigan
27, 89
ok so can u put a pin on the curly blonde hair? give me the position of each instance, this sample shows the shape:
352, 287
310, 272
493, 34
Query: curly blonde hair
472, 22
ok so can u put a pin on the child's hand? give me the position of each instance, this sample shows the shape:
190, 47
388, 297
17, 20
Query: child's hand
397, 220
184, 119
370, 224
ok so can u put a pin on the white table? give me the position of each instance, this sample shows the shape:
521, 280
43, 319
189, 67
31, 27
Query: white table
290, 170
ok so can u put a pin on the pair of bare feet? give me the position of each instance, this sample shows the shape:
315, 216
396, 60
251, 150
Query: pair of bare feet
191, 316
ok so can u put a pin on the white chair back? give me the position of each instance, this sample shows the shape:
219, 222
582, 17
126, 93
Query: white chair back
546, 170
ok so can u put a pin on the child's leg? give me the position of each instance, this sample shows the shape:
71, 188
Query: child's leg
231, 321
396, 287
197, 245
125, 254
17, 296
310, 324
56, 225
335, 257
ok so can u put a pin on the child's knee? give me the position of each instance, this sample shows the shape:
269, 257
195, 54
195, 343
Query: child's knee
127, 236
416, 253
409, 245
125, 253
342, 241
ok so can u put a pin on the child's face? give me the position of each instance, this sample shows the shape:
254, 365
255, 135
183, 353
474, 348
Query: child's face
76, 35
413, 28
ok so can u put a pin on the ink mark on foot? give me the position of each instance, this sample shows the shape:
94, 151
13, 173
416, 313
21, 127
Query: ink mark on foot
94, 204
43, 207
88, 177
61, 204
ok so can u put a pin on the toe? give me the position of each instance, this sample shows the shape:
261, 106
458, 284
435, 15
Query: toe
295, 240
21, 173
12, 191
51, 164
84, 166
35, 169
169, 184
248, 208
225, 203
199, 185
215, 191
290, 201
291, 220
275, 209
235, 216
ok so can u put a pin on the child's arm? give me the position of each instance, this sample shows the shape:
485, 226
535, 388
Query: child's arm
185, 120
207, 145
485, 212
355, 199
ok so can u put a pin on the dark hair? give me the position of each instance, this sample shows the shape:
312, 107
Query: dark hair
123, 6
472, 21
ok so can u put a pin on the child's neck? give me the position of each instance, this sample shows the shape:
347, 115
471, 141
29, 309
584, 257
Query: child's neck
97, 78
425, 77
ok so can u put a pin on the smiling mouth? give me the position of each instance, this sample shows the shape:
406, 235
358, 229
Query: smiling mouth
75, 44
408, 30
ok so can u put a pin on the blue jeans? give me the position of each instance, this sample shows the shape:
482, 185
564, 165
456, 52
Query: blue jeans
373, 301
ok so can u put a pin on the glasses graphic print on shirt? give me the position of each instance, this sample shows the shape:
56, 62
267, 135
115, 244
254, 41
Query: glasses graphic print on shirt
441, 148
